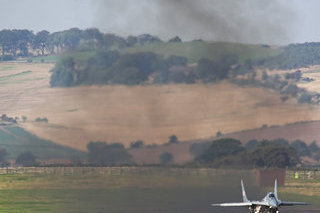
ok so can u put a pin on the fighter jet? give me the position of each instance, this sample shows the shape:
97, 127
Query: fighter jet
269, 204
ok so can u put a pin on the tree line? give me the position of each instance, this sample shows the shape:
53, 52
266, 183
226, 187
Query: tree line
294, 56
112, 67
25, 43
221, 153
228, 152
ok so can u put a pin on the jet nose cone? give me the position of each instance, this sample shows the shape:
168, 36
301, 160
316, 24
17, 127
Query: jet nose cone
273, 203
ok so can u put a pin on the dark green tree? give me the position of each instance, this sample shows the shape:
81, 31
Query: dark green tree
175, 39
137, 144
272, 156
166, 158
220, 148
26, 159
313, 147
206, 69
63, 73
197, 149
41, 41
8, 41
174, 60
71, 38
24, 39
131, 41
3, 154
173, 139
93, 37
104, 154
252, 144
301, 148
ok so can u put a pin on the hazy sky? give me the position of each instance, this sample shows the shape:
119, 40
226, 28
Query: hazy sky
250, 21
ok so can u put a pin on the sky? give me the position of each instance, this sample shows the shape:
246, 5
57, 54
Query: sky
247, 21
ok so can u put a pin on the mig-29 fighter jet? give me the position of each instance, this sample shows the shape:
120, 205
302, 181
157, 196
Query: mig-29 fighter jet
269, 204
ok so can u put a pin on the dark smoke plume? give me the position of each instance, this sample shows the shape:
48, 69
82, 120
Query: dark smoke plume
248, 21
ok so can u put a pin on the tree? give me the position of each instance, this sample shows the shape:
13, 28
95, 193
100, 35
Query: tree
173, 139
24, 118
128, 76
175, 39
131, 41
264, 76
3, 154
55, 42
166, 158
137, 144
197, 149
44, 120
174, 60
104, 154
144, 62
93, 37
252, 144
7, 39
305, 97
24, 39
71, 38
280, 142
205, 69
272, 156
63, 72
41, 41
313, 147
26, 159
291, 89
147, 39
111, 40
177, 77
301, 148
220, 148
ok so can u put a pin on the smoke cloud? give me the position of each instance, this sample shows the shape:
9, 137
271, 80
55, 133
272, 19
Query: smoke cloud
247, 21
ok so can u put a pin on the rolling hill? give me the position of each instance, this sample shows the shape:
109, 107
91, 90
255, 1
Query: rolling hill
17, 140
119, 113
306, 131
194, 50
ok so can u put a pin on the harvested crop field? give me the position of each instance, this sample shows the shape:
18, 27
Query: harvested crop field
151, 113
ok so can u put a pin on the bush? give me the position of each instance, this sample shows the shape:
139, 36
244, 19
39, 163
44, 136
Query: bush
44, 120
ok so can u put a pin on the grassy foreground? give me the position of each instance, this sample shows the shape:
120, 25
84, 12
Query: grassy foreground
127, 190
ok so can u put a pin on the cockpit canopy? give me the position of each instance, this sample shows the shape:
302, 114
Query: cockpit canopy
271, 195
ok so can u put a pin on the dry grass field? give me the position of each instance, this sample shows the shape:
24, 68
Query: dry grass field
151, 113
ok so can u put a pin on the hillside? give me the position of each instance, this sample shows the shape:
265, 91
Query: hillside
17, 140
306, 131
195, 50
128, 113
